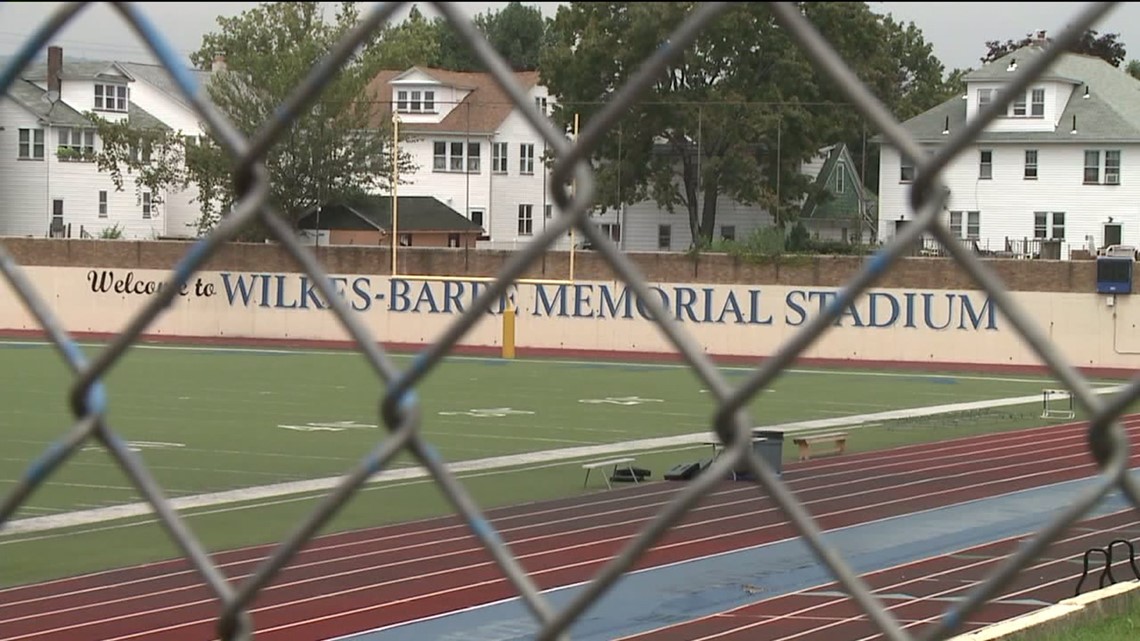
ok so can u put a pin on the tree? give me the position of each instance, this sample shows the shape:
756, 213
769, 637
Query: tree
1133, 68
516, 31
738, 114
154, 155
1106, 47
337, 148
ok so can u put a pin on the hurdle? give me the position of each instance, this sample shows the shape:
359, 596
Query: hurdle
1065, 411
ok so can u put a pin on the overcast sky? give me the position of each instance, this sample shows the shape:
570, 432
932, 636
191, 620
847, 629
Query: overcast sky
958, 30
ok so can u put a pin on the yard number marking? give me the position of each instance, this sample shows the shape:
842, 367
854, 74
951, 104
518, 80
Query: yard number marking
336, 426
138, 446
620, 400
496, 412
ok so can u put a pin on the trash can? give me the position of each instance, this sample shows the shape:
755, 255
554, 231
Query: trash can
768, 444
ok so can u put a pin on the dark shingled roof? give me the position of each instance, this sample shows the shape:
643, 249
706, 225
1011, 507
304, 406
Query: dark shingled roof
415, 213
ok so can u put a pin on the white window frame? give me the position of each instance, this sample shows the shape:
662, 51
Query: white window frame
1031, 162
76, 139
664, 237
31, 144
1037, 107
457, 157
1102, 167
499, 157
985, 164
526, 220
840, 179
526, 159
102, 203
1049, 225
966, 224
112, 97
147, 206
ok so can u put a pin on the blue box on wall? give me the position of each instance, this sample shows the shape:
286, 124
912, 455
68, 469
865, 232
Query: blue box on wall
1114, 274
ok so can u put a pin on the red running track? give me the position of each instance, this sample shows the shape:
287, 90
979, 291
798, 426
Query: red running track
366, 579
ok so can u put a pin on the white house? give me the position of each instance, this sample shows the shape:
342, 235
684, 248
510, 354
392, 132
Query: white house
1047, 174
475, 152
52, 186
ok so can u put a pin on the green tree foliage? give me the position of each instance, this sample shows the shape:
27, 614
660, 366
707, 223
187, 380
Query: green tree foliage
1106, 47
154, 157
516, 31
337, 148
740, 112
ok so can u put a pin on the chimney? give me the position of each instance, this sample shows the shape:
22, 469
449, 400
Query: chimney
219, 63
54, 68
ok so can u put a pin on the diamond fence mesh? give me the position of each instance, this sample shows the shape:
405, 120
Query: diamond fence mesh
399, 407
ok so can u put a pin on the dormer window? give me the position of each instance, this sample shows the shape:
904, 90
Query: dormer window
415, 102
985, 97
111, 97
1029, 105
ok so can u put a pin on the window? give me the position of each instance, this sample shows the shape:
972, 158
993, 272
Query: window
405, 240
612, 230
111, 98
1037, 103
728, 232
73, 142
664, 236
1112, 167
1031, 164
1092, 167
906, 171
451, 157
985, 97
549, 211
57, 214
985, 165
499, 157
526, 220
102, 204
474, 156
1018, 106
145, 153
415, 102
146, 205
839, 179
453, 240
971, 220
1049, 224
526, 158
476, 216
31, 145
540, 102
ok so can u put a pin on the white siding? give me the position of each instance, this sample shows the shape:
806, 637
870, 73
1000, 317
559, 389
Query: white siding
1007, 202
643, 222
23, 183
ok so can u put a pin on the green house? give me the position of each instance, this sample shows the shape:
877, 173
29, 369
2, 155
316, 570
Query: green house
838, 207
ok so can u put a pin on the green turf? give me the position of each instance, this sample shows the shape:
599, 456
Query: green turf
1117, 622
223, 408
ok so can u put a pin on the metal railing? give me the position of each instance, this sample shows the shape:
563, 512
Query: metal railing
400, 409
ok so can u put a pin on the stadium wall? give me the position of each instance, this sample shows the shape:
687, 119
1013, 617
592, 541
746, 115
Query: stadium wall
926, 312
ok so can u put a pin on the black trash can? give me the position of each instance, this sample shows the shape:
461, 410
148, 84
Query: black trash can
768, 444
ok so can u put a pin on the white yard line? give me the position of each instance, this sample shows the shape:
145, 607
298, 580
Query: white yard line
132, 510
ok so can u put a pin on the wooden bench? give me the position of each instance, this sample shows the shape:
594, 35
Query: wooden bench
805, 442
590, 466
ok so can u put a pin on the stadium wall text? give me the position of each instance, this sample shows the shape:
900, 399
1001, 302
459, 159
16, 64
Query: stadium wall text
900, 324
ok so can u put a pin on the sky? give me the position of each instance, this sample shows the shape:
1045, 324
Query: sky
957, 30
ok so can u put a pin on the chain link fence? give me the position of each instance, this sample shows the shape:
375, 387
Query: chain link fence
400, 408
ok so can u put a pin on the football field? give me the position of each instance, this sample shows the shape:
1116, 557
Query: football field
214, 420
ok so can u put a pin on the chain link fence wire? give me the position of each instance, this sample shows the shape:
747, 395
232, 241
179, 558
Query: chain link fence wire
398, 405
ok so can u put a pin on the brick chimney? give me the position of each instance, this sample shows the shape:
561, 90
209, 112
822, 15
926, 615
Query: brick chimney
54, 68
219, 63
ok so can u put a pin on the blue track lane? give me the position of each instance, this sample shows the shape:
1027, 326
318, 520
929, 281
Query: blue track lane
655, 597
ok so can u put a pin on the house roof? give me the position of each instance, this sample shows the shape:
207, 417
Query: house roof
160, 78
1111, 113
415, 213
482, 111
25, 92
835, 153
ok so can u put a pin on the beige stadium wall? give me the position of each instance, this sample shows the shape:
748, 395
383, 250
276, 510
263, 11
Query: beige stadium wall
931, 327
